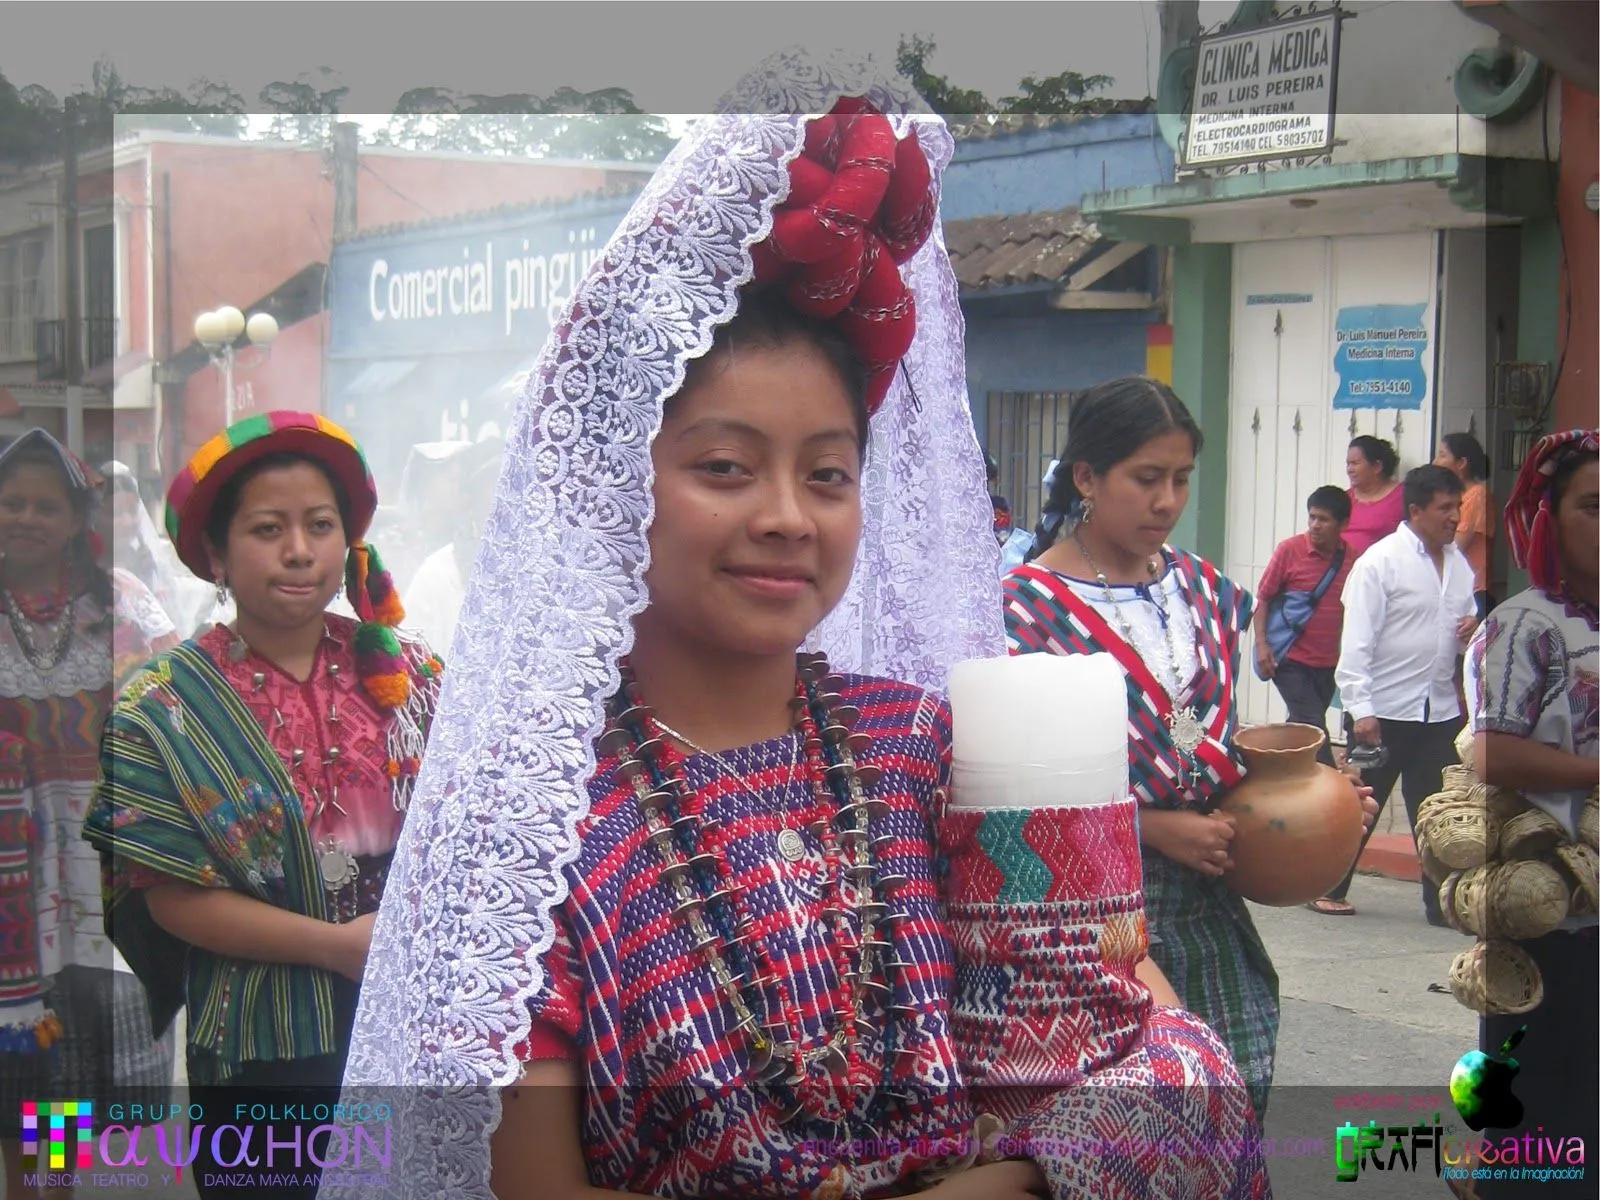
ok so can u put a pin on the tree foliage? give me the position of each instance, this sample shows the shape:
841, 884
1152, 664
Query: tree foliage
603, 124
1067, 92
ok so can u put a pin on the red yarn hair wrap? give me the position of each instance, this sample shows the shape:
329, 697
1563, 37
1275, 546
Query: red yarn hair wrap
861, 202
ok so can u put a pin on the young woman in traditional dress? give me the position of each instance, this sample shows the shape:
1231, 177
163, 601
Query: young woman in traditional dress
669, 876
256, 777
1111, 584
71, 632
1533, 688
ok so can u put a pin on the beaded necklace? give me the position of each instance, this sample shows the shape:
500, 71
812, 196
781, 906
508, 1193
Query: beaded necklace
706, 901
26, 614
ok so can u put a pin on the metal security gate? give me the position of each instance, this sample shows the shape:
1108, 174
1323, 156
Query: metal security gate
1026, 432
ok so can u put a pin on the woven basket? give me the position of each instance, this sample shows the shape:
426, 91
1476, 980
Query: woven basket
1431, 866
1581, 867
1458, 836
1459, 779
1526, 900
1466, 746
1495, 977
1587, 822
1530, 834
1447, 897
1469, 900
1505, 803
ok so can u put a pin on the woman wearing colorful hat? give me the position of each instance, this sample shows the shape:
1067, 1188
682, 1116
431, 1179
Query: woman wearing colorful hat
256, 777
667, 871
1533, 688
71, 631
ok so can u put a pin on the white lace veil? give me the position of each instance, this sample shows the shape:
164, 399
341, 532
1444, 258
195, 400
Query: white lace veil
467, 911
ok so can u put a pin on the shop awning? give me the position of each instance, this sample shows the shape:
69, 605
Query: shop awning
1441, 191
1058, 251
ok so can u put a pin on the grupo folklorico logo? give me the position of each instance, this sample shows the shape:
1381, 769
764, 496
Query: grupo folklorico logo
250, 1145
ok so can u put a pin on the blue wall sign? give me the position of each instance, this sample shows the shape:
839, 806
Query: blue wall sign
494, 284
1381, 357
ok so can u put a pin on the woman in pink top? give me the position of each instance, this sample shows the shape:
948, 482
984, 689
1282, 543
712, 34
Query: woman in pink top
1377, 501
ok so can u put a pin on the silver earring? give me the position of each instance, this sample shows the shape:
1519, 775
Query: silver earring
1088, 512
222, 592
339, 595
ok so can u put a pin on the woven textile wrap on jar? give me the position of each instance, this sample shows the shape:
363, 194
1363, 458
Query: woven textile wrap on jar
1581, 868
1496, 976
1526, 900
1530, 834
1046, 911
1587, 823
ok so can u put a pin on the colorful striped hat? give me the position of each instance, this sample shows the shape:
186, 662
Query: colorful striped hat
192, 494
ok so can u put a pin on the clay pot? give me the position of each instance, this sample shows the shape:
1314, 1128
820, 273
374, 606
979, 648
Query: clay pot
1297, 823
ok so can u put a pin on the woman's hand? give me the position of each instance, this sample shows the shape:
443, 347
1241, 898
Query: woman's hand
1014, 1179
1199, 841
347, 952
1369, 805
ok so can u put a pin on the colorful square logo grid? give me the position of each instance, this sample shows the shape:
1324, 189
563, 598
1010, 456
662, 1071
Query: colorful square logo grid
56, 1131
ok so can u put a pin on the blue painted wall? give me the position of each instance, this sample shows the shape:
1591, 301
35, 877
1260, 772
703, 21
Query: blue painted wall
1047, 169
1049, 352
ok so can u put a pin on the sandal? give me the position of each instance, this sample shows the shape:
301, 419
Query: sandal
1332, 908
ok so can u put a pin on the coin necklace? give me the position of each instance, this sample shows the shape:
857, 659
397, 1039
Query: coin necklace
790, 844
1188, 734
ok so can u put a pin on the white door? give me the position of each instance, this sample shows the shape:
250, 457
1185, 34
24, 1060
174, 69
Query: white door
1285, 438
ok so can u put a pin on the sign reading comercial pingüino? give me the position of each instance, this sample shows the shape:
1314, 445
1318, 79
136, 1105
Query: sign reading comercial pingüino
1264, 93
1381, 356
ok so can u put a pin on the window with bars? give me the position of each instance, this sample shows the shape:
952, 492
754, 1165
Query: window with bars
21, 293
1026, 431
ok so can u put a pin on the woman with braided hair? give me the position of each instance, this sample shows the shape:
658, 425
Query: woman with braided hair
672, 919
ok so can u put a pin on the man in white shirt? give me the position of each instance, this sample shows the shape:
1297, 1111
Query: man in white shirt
1408, 613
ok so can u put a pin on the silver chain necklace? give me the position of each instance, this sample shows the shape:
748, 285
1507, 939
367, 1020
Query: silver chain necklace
22, 628
1188, 734
790, 844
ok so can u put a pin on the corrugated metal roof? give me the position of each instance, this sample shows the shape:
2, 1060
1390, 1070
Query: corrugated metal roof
1000, 252
992, 125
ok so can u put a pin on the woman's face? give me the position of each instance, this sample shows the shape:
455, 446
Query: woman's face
286, 548
1363, 472
758, 502
1578, 522
1446, 459
37, 519
1140, 499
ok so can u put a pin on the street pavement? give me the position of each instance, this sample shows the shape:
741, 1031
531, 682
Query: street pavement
1362, 1037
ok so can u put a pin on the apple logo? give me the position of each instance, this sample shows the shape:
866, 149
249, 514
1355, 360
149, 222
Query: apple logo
1480, 1086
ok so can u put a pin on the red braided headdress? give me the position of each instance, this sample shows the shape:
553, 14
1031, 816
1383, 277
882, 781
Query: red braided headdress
1530, 517
860, 203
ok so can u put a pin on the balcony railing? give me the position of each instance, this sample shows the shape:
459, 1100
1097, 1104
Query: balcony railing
97, 344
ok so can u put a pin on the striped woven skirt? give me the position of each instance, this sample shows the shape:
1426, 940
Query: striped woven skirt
1202, 937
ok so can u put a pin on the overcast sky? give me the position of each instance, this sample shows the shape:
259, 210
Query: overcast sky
674, 57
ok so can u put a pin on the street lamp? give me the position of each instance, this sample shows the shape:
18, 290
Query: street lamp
218, 332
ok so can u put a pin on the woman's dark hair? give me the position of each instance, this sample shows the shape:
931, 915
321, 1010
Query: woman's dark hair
1566, 468
1424, 483
1107, 425
767, 320
1332, 500
226, 506
80, 550
1377, 452
1464, 445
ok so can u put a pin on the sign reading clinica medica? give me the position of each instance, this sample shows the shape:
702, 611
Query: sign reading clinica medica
1264, 93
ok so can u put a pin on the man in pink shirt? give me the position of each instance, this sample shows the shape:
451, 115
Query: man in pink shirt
1304, 675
